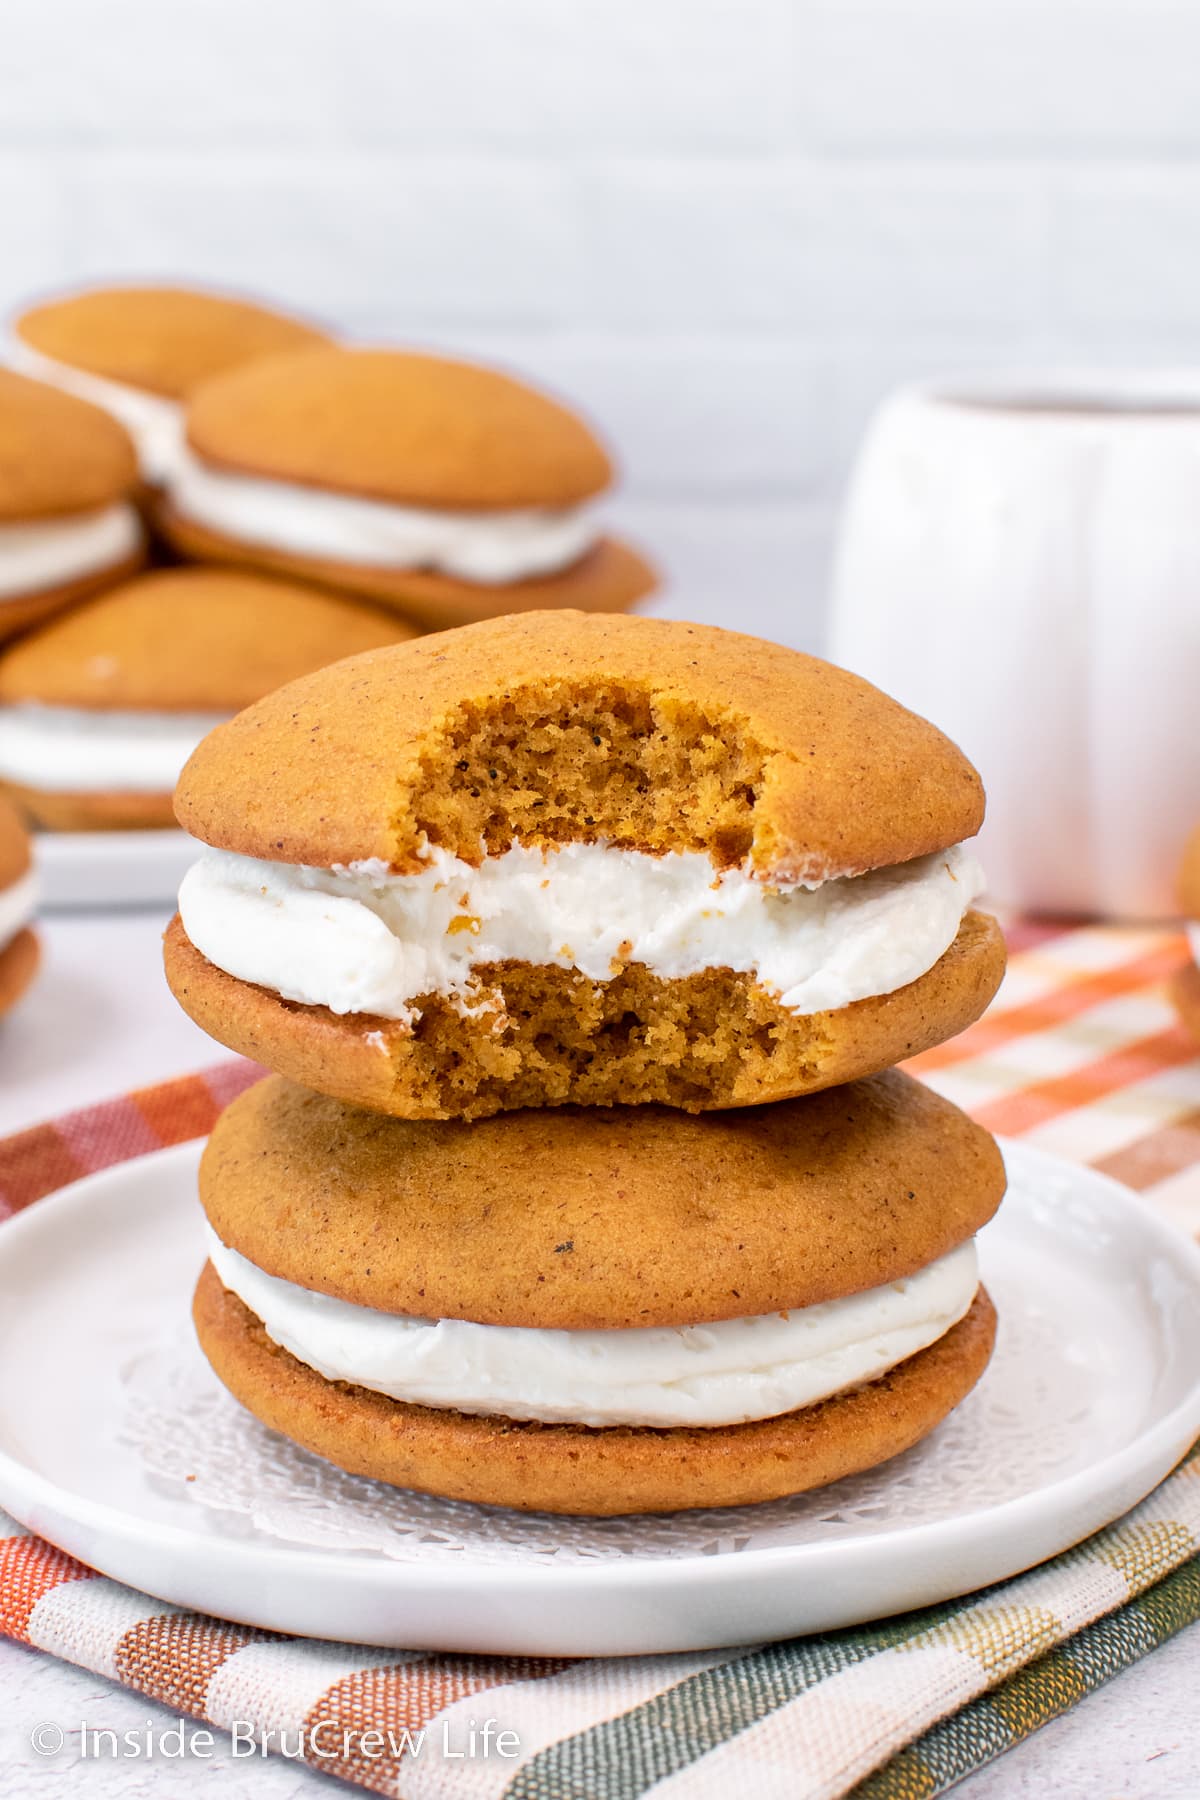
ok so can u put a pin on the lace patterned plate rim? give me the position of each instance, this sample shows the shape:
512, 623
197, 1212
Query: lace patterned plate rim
111, 868
1092, 1397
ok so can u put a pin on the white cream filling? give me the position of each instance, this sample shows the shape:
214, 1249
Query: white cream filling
361, 940
73, 750
44, 553
153, 422
488, 547
18, 902
722, 1374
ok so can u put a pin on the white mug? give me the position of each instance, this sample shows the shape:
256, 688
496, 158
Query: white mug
1019, 561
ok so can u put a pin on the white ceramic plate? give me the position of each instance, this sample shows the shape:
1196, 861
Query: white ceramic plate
117, 1444
111, 868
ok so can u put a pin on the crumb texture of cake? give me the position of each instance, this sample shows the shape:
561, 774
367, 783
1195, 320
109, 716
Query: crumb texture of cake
553, 763
557, 727
554, 1037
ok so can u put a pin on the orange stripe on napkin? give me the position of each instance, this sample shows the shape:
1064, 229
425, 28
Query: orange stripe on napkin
178, 1110
43, 1158
29, 1569
173, 1657
1044, 1100
404, 1698
1054, 1008
1157, 1156
1027, 934
35, 1162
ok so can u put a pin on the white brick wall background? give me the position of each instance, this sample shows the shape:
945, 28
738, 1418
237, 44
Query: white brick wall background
725, 227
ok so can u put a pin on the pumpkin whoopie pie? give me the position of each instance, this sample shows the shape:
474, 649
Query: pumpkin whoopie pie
565, 857
1186, 985
447, 490
100, 708
603, 1310
140, 351
18, 898
67, 523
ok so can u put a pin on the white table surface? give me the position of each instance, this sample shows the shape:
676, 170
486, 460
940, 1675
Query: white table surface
100, 1021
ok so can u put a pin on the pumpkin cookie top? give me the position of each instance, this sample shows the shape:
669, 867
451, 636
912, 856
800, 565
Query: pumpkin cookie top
165, 340
556, 727
188, 640
58, 455
398, 426
600, 1217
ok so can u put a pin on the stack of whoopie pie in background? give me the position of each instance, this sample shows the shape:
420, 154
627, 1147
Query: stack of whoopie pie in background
331, 499
140, 352
582, 947
101, 706
68, 526
446, 490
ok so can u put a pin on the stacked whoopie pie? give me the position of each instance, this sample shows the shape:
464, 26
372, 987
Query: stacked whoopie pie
100, 707
444, 489
67, 523
582, 947
178, 424
139, 352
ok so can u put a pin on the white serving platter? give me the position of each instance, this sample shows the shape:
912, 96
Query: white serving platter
111, 868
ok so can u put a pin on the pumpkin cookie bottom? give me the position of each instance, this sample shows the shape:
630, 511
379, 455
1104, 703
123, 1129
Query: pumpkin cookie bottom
18, 965
1185, 992
577, 1469
708, 1041
21, 611
611, 577
93, 812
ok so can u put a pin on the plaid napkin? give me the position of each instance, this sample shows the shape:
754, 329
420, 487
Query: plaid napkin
1081, 1055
